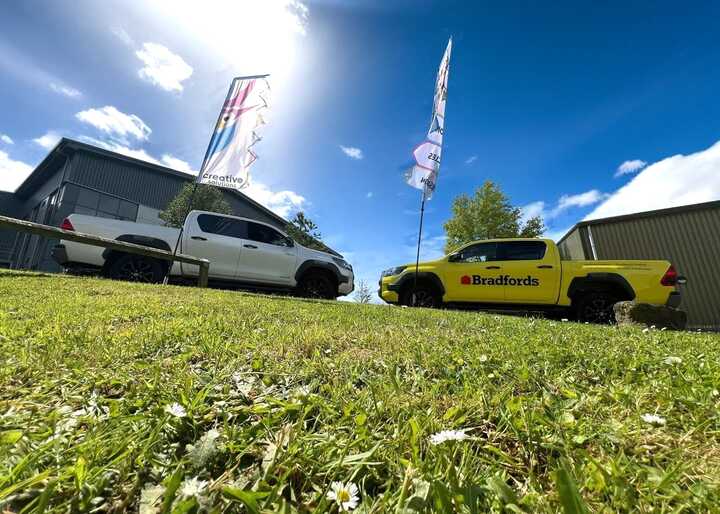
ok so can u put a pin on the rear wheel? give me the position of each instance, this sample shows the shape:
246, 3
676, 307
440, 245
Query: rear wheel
136, 268
596, 308
421, 296
316, 284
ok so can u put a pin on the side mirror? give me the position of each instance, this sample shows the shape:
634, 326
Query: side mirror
289, 242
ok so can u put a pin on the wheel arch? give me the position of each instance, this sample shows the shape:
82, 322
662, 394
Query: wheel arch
313, 265
423, 277
606, 282
110, 255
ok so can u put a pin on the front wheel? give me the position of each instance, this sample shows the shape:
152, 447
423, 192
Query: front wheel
317, 285
421, 296
596, 308
136, 268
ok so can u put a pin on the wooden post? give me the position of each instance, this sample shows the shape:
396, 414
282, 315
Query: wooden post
92, 240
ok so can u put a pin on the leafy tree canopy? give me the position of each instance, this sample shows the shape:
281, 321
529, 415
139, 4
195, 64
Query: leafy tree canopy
487, 214
206, 198
304, 230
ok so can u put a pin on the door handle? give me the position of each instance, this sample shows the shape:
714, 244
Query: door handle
198, 238
492, 267
251, 246
545, 266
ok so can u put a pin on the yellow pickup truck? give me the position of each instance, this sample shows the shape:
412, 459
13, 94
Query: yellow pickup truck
528, 274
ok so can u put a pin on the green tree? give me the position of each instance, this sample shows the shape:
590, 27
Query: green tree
206, 198
304, 230
487, 214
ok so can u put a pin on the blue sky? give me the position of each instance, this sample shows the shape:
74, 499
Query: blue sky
548, 99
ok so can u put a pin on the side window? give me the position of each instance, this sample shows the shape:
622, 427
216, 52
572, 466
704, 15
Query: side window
265, 234
222, 226
481, 252
522, 250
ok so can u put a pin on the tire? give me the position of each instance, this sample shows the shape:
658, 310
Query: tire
425, 296
136, 268
315, 284
596, 308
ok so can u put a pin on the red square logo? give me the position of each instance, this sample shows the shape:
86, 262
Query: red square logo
465, 280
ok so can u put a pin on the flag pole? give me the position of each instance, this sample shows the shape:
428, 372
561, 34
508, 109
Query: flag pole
417, 255
204, 161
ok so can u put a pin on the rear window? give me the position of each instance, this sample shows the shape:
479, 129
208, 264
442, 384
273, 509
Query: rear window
222, 226
522, 250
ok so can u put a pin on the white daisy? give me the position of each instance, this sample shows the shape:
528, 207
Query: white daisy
192, 487
176, 410
672, 360
653, 419
345, 495
448, 435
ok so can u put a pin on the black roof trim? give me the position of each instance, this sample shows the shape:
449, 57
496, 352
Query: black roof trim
645, 214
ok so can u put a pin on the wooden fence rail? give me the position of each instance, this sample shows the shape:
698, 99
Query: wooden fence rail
89, 239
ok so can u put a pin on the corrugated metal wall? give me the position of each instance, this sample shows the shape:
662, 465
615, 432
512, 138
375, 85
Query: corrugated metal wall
146, 186
9, 206
690, 240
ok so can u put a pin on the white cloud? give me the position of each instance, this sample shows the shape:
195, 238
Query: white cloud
122, 35
162, 67
532, 209
674, 181
369, 194
177, 164
114, 146
12, 173
564, 203
47, 141
6, 139
471, 159
630, 167
352, 152
282, 203
68, 91
579, 200
115, 123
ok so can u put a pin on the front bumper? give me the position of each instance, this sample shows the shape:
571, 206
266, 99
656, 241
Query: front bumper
386, 291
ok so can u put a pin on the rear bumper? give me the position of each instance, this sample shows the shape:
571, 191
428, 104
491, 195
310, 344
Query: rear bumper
674, 300
59, 254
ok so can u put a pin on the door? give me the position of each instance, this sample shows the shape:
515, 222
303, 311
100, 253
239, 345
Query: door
267, 255
533, 271
474, 275
218, 239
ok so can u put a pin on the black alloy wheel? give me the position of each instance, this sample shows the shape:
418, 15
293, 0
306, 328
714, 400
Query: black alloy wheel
597, 308
420, 297
136, 268
317, 285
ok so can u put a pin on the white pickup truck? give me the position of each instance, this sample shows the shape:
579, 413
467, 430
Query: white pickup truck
242, 253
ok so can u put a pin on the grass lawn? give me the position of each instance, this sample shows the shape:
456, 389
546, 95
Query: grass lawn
122, 397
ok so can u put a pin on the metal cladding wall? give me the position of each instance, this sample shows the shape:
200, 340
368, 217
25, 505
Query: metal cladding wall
145, 185
9, 206
688, 237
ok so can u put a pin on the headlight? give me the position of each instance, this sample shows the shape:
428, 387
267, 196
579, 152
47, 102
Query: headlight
342, 263
393, 271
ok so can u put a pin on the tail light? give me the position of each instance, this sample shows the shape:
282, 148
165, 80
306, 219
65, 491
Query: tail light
670, 278
66, 225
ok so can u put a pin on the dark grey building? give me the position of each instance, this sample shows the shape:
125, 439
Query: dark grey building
80, 178
687, 236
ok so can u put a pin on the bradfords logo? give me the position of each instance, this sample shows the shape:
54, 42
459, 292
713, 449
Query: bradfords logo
502, 280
